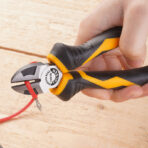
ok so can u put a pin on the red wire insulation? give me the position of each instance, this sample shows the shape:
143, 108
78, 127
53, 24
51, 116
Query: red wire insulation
34, 96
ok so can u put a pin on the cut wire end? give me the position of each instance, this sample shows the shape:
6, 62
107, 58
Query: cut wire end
38, 104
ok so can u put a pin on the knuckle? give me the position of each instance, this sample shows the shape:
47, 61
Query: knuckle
88, 22
83, 27
115, 98
139, 7
86, 27
132, 52
84, 24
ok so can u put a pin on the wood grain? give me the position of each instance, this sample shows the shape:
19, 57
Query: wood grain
34, 26
81, 122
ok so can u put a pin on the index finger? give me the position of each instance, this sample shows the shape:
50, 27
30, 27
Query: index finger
105, 16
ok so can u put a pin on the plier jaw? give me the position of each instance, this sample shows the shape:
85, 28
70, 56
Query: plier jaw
41, 76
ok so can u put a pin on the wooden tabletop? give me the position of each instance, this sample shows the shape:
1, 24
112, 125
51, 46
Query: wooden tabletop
28, 30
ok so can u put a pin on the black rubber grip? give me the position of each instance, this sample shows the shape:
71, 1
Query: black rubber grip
104, 79
70, 57
74, 56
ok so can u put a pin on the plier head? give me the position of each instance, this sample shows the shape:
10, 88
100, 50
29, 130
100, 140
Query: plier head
41, 76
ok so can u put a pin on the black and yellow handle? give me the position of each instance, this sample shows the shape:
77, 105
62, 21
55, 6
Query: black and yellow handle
72, 57
76, 81
67, 58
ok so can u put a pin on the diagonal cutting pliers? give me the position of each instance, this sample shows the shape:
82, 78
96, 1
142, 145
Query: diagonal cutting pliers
60, 77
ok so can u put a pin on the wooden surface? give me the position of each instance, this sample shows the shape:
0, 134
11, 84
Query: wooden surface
34, 26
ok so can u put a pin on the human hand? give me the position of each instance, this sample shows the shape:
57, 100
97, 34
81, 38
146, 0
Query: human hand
133, 16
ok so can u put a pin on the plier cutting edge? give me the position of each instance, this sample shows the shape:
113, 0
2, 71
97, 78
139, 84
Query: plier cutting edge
60, 77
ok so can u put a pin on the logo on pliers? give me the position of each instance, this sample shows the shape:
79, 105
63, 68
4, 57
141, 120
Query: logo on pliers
52, 76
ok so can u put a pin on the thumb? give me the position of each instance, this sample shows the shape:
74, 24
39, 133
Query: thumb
134, 35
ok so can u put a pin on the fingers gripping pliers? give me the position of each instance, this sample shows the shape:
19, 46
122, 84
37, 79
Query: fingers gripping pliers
60, 77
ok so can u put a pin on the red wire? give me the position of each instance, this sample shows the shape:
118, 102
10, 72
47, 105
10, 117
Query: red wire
34, 96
